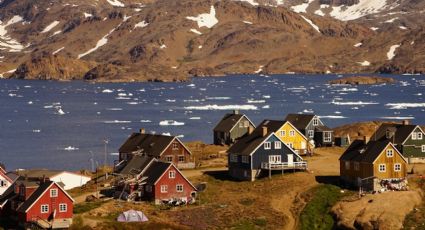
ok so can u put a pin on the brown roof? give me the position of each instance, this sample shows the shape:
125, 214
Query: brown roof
150, 144
402, 132
272, 125
246, 145
155, 171
361, 152
300, 121
136, 165
228, 122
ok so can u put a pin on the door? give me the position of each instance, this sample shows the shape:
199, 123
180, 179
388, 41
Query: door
290, 159
275, 159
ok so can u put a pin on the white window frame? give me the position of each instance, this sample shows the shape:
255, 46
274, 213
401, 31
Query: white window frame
167, 158
233, 158
310, 133
172, 174
240, 124
278, 145
291, 133
184, 158
175, 146
315, 122
54, 192
347, 165
414, 136
390, 153
267, 145
397, 167
44, 208
282, 133
164, 188
179, 186
327, 136
245, 159
423, 148
63, 207
419, 136
382, 168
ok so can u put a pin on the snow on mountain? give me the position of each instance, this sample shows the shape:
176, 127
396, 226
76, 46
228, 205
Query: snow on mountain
6, 42
115, 3
141, 24
311, 23
363, 8
391, 52
302, 8
50, 27
252, 2
207, 19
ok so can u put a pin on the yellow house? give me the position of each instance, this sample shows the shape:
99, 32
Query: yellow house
290, 135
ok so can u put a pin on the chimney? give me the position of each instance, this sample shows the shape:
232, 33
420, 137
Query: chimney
250, 129
366, 139
405, 122
142, 131
44, 178
264, 131
235, 111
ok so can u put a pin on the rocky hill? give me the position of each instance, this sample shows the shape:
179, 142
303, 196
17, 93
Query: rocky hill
163, 40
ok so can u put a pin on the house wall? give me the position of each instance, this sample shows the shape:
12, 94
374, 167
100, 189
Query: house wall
4, 183
320, 141
35, 211
238, 131
175, 153
172, 190
297, 140
310, 126
413, 148
351, 174
389, 162
70, 180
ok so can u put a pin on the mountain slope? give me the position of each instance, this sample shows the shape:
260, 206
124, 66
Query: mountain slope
117, 40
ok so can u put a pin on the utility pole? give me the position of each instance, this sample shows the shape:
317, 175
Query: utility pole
106, 141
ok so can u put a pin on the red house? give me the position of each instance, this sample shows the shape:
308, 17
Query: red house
43, 204
162, 147
165, 183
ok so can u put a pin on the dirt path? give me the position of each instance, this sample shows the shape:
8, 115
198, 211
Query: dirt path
82, 198
200, 172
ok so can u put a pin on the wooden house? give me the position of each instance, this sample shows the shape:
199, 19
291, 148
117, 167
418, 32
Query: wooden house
313, 128
162, 147
409, 139
232, 127
261, 152
37, 204
5, 180
288, 134
372, 164
146, 178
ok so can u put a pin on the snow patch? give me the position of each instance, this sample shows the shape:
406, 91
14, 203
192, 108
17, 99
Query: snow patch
195, 31
363, 8
58, 50
50, 27
141, 24
391, 52
358, 44
364, 63
252, 2
311, 23
302, 8
115, 3
207, 19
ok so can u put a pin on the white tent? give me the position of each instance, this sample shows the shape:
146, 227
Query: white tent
132, 216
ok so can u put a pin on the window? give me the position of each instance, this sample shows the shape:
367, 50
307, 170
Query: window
179, 188
245, 159
419, 136
148, 188
423, 148
63, 207
233, 158
356, 166
3, 183
397, 167
169, 158
277, 145
267, 145
347, 165
327, 136
175, 146
44, 208
311, 133
171, 174
291, 145
315, 122
240, 124
181, 158
53, 192
291, 133
390, 153
382, 168
282, 133
164, 188
414, 136
246, 124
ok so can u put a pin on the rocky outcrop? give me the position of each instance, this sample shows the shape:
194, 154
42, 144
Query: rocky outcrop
362, 80
339, 2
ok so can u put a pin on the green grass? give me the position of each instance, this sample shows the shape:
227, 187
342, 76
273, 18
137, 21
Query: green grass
316, 213
87, 206
257, 223
416, 218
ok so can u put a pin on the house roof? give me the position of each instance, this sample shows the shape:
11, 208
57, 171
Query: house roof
136, 165
323, 129
272, 125
402, 132
37, 194
246, 145
228, 122
300, 121
151, 144
155, 171
4, 175
361, 152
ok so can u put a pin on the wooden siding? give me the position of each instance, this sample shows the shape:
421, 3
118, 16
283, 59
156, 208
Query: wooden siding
297, 140
171, 185
236, 133
413, 148
175, 153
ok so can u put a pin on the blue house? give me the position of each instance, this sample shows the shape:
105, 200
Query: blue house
261, 151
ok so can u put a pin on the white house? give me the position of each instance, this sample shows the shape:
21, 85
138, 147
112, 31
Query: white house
69, 180
5, 181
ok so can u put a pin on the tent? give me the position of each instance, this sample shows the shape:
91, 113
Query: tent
132, 216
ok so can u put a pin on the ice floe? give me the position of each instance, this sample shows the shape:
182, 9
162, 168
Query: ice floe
333, 117
170, 122
397, 118
222, 107
354, 103
70, 148
107, 91
253, 101
116, 122
405, 105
